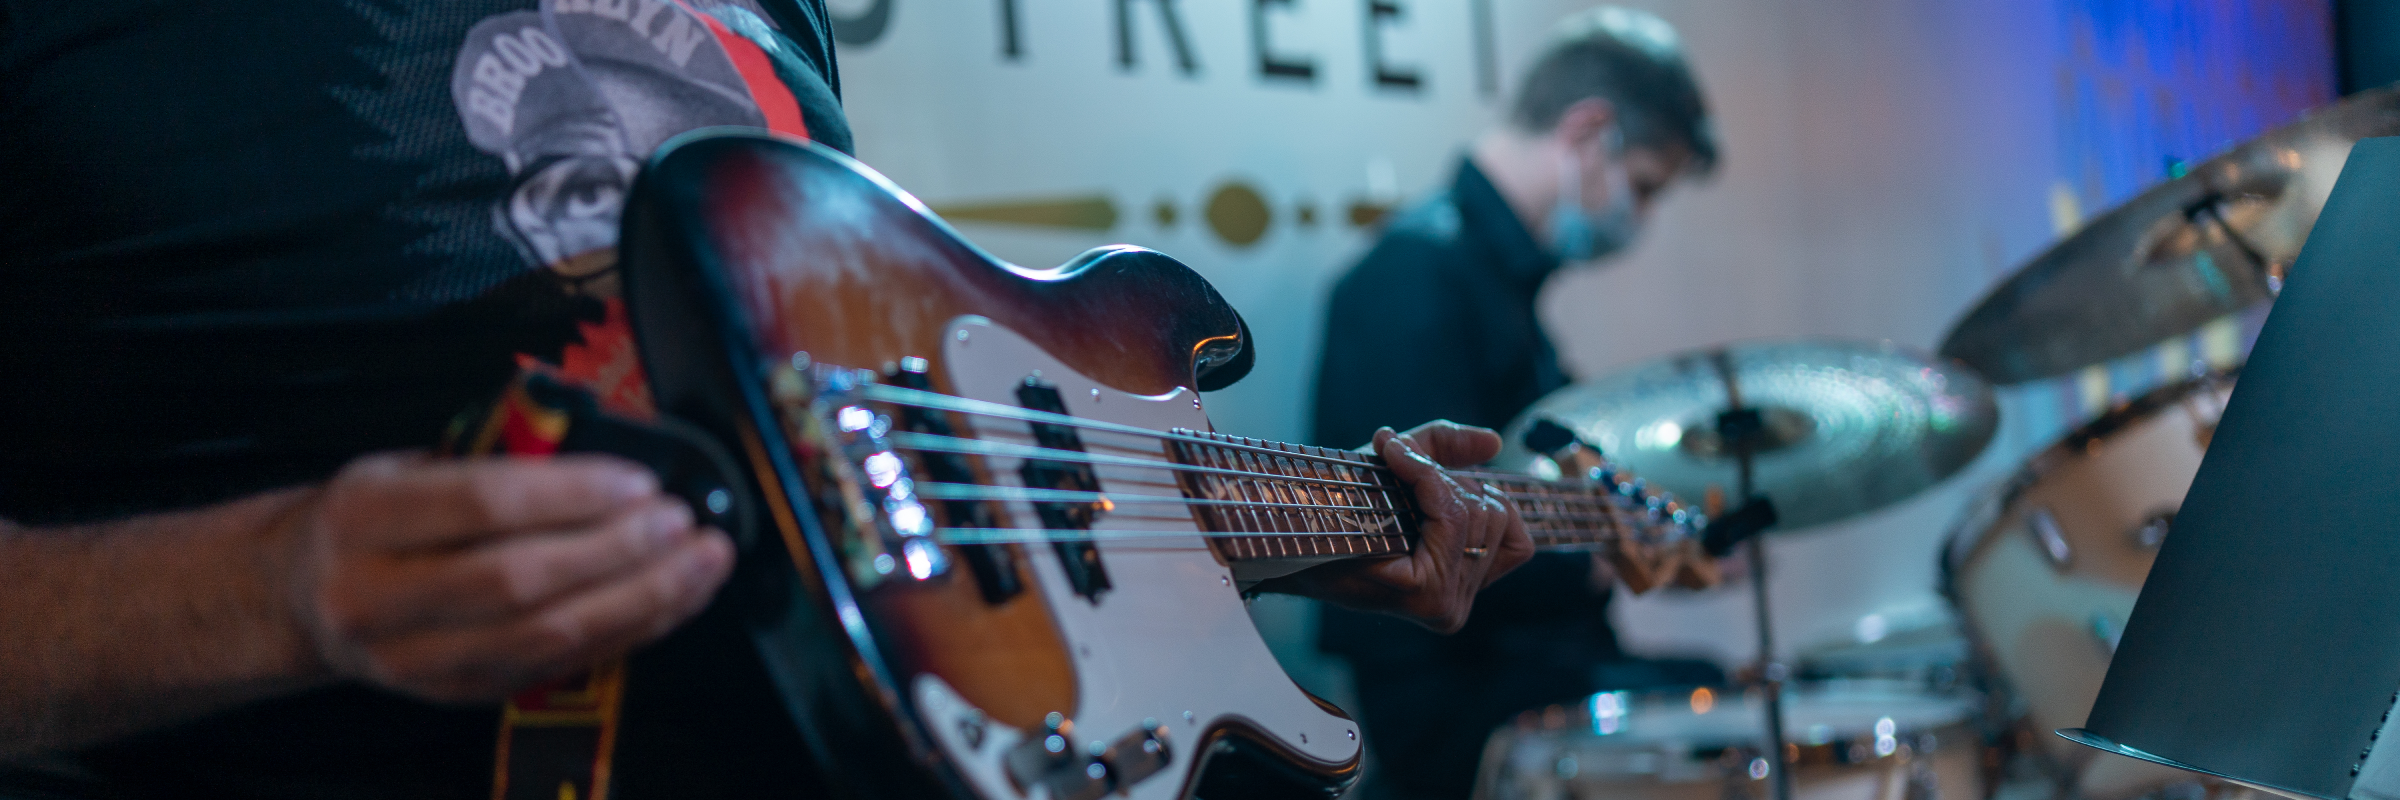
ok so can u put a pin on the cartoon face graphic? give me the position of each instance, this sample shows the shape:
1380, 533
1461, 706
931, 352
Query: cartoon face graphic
569, 206
573, 97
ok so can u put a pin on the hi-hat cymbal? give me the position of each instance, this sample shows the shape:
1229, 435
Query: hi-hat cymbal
2185, 252
1846, 427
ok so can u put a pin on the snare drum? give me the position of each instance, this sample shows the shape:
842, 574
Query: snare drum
1854, 740
2045, 569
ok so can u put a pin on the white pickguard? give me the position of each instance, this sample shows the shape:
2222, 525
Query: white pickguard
1172, 640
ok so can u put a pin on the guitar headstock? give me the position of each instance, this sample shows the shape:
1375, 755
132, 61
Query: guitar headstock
1658, 537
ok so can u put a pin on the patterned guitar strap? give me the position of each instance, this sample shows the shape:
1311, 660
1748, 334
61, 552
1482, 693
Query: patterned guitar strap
558, 740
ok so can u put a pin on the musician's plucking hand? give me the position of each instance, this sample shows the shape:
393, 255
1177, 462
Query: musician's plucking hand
1471, 534
467, 580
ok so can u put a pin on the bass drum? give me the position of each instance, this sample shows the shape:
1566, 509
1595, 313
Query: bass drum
1850, 740
2044, 570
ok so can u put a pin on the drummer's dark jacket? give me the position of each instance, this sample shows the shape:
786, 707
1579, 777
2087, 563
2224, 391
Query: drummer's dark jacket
244, 243
1438, 321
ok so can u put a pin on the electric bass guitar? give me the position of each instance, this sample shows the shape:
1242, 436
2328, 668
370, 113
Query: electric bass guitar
998, 550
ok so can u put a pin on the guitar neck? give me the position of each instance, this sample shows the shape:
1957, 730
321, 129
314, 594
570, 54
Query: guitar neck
1316, 502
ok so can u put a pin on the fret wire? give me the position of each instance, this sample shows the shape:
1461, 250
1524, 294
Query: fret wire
1320, 518
1291, 519
1222, 486
1238, 461
1243, 518
1041, 535
977, 491
1261, 486
910, 440
1318, 493
1347, 546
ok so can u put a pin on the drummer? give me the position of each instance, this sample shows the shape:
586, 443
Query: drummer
1439, 321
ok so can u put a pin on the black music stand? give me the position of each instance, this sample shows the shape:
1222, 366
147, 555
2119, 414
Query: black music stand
2265, 646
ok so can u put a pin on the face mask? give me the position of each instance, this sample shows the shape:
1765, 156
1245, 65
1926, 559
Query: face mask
1581, 234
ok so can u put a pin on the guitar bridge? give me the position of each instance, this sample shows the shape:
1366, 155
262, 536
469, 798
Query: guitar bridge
864, 488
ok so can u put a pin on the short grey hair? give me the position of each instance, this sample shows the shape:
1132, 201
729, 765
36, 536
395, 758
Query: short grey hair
1632, 59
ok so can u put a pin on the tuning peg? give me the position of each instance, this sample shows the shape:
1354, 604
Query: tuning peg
1550, 439
1696, 570
1634, 569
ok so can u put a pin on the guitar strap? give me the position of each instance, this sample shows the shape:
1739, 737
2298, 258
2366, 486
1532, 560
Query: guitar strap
557, 740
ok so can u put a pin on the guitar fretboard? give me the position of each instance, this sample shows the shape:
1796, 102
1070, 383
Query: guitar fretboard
1307, 501
1314, 501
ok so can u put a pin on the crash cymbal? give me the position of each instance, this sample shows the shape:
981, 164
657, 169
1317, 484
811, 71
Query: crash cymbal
1845, 427
2185, 252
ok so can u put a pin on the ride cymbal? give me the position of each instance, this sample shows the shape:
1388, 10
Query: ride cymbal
1843, 428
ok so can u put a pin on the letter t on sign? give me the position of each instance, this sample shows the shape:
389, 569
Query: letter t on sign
1174, 26
1011, 47
1381, 13
1269, 64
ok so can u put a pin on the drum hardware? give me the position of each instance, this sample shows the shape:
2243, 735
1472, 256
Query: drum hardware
2214, 241
1743, 430
2153, 531
1847, 739
1928, 656
2044, 528
1826, 429
2108, 631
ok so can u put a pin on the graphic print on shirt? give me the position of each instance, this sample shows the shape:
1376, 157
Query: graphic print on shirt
572, 98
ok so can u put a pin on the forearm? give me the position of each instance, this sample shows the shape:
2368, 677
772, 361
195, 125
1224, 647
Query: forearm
116, 628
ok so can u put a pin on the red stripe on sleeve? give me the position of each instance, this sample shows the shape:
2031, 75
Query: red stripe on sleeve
775, 100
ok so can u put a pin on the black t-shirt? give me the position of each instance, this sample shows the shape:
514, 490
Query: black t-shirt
243, 243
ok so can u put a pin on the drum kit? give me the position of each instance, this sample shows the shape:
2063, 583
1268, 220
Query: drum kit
2042, 569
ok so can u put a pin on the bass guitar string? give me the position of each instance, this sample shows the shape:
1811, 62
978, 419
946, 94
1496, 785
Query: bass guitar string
910, 440
1596, 496
919, 398
977, 491
1544, 540
953, 444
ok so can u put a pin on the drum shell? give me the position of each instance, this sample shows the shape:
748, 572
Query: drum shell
2046, 571
1557, 756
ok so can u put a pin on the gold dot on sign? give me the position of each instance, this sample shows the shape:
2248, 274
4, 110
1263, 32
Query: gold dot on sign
1238, 214
1164, 212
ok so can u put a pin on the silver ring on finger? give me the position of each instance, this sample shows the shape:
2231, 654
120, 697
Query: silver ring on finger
1476, 552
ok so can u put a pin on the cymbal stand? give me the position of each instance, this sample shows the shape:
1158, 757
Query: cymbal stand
2270, 273
1739, 426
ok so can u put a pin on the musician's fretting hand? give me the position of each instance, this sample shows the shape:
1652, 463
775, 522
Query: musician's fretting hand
467, 580
1470, 536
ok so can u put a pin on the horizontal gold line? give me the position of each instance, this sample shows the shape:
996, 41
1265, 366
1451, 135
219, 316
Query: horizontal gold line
1085, 212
